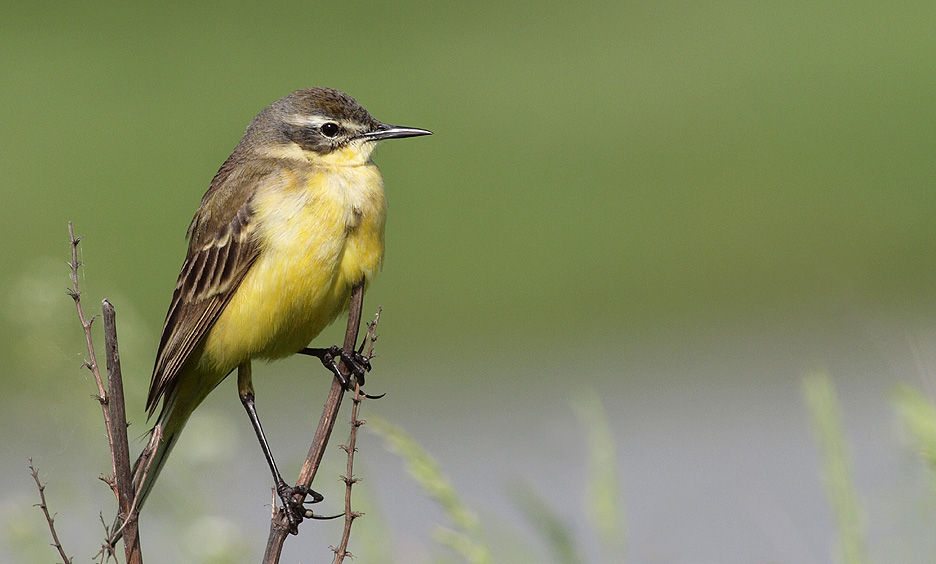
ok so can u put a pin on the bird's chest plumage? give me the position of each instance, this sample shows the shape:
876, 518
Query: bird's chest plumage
320, 231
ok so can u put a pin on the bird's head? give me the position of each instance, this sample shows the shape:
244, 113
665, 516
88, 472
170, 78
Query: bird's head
321, 125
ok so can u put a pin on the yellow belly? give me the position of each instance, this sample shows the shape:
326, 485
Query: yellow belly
320, 231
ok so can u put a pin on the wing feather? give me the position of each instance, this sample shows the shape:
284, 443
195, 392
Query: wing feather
221, 251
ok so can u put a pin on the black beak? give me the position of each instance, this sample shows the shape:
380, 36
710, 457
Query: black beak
393, 132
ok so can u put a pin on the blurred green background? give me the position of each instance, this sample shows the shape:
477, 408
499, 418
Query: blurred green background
683, 206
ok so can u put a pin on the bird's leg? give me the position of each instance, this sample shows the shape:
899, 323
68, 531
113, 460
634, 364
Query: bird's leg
358, 362
292, 505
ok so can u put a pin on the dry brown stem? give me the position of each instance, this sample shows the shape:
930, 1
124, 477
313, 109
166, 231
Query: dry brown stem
120, 452
50, 519
350, 515
279, 526
92, 364
113, 408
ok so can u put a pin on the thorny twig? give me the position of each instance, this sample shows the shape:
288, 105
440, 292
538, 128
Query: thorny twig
112, 405
92, 359
45, 510
342, 551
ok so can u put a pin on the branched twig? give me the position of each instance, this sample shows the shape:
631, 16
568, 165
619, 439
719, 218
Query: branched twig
371, 335
145, 461
92, 359
106, 551
342, 551
279, 527
112, 405
45, 510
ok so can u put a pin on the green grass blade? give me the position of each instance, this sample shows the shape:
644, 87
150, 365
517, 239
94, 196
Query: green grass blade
826, 418
603, 498
558, 535
918, 415
465, 538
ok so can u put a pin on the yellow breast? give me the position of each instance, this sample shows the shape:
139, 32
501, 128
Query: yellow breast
320, 230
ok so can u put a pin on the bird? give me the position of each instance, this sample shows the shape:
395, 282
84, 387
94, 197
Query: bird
292, 220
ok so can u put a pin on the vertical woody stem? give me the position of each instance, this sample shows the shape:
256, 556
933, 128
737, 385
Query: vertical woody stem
121, 448
279, 527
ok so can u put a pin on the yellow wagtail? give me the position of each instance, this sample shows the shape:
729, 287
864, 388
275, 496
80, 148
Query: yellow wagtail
292, 220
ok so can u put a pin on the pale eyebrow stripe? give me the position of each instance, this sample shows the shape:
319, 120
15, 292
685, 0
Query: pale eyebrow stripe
303, 120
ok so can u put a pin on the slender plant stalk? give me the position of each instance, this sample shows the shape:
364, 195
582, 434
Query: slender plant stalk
50, 519
279, 526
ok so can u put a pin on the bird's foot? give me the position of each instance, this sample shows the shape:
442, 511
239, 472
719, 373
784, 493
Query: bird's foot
294, 500
356, 360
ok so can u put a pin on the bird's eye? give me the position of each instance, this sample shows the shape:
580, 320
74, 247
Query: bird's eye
329, 129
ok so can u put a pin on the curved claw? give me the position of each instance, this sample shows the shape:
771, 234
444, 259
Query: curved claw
322, 517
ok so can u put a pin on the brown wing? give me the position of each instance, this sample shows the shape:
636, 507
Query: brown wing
221, 251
